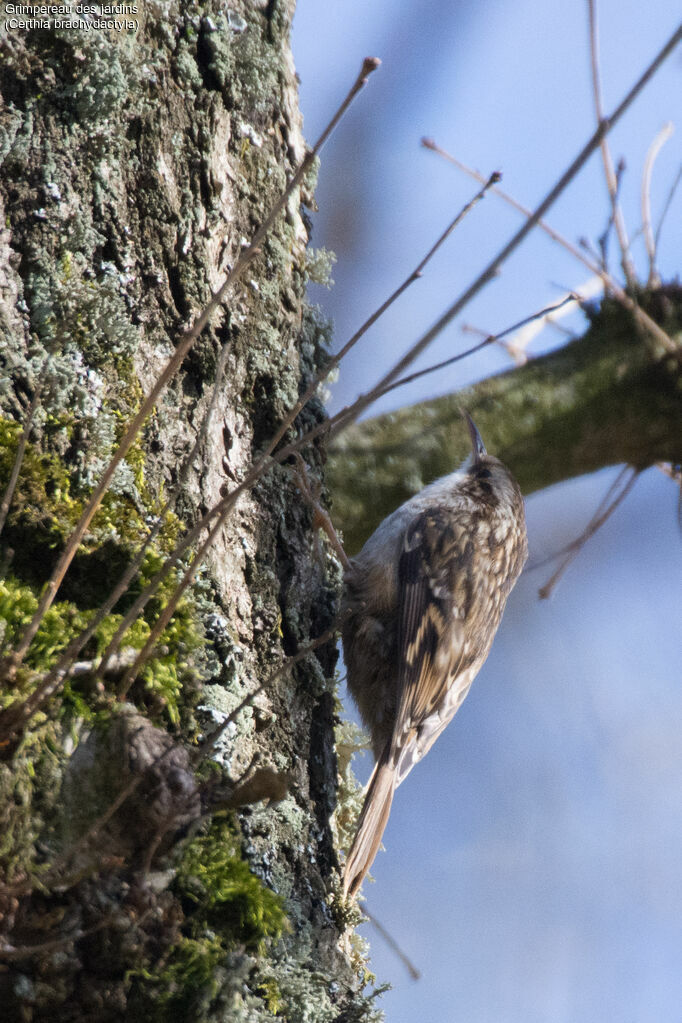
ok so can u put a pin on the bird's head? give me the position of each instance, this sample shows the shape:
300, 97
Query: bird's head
488, 475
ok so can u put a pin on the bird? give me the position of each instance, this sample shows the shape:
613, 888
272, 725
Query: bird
421, 606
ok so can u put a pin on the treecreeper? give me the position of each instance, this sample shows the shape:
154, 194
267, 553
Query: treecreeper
423, 600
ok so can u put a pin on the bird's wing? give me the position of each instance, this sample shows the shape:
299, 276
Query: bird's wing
435, 583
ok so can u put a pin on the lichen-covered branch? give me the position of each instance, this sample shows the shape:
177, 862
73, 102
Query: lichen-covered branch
598, 401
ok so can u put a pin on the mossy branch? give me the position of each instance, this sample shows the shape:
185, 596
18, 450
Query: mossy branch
600, 400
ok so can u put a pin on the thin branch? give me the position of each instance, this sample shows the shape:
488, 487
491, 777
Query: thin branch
603, 239
488, 340
18, 459
168, 611
188, 338
410, 279
115, 805
393, 945
174, 600
16, 716
321, 517
197, 756
667, 205
516, 346
15, 953
571, 545
596, 255
649, 240
26, 886
659, 340
609, 173
606, 508
577, 296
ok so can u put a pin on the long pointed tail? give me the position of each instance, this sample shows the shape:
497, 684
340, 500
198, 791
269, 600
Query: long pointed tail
373, 820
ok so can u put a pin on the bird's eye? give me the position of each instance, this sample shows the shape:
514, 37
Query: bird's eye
484, 474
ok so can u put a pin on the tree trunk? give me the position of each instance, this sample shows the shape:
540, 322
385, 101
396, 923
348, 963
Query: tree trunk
134, 166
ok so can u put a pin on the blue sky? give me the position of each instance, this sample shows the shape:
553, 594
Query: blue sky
532, 869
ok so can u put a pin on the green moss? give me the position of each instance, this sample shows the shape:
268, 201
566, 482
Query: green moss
229, 916
28, 789
162, 676
218, 882
43, 485
48, 503
18, 604
271, 995
42, 516
189, 975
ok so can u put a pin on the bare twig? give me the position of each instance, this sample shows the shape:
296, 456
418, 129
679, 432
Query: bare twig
488, 340
63, 668
12, 662
597, 256
393, 944
607, 507
649, 240
175, 598
54, 871
18, 458
666, 206
188, 338
603, 239
410, 279
518, 343
609, 172
533, 566
659, 340
131, 571
516, 353
115, 805
321, 516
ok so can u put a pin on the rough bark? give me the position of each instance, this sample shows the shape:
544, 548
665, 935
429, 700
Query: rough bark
132, 168
598, 401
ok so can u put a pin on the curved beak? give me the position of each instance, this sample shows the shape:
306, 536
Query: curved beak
477, 445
